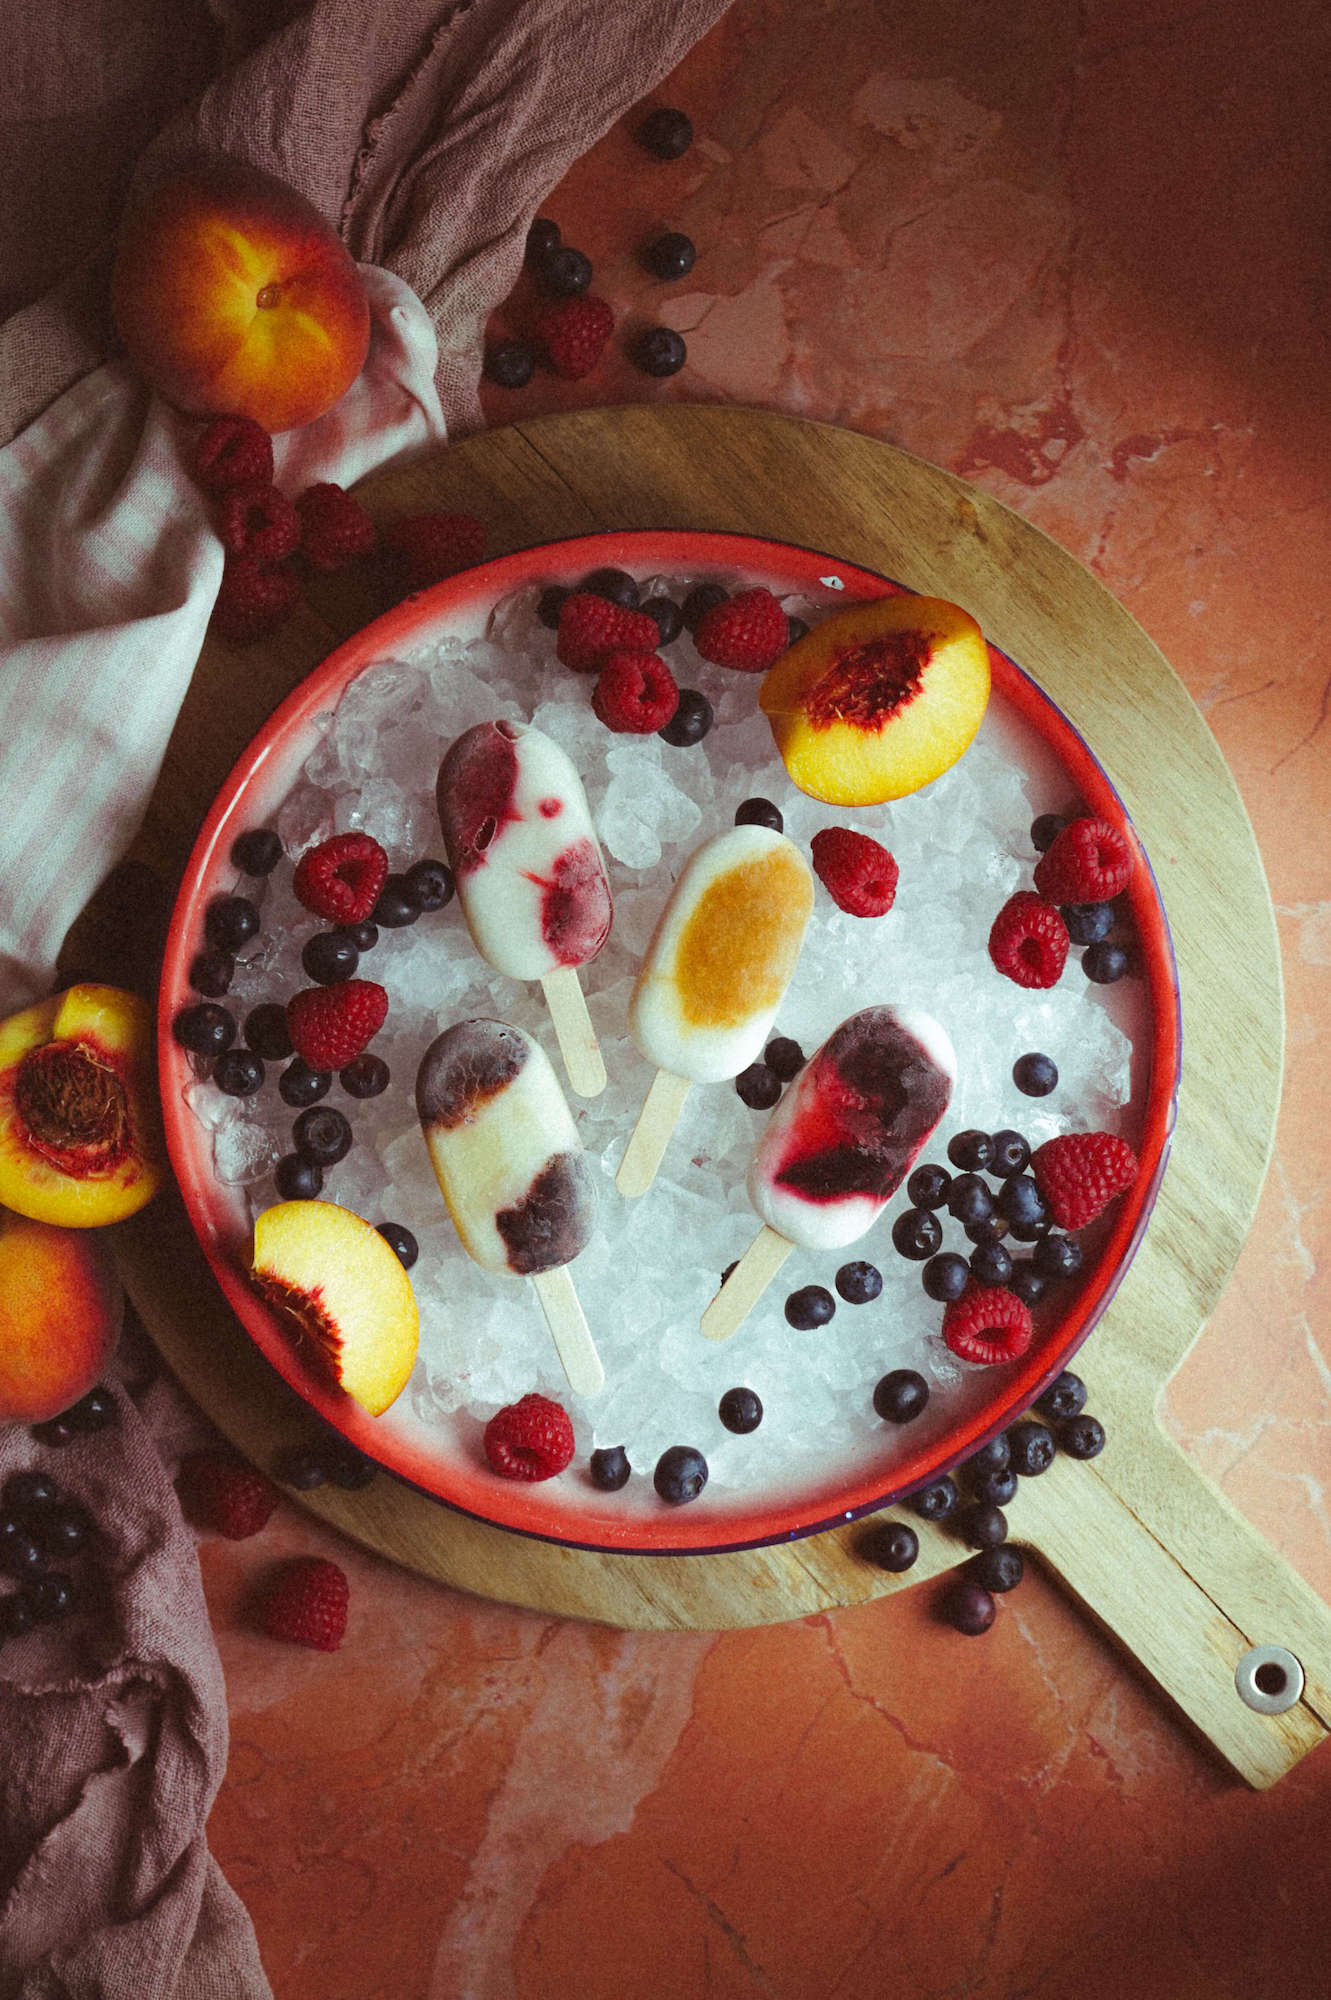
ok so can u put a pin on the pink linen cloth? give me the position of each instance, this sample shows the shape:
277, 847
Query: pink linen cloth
430, 133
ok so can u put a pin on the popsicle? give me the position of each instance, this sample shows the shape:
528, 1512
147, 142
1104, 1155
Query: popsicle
838, 1145
511, 1169
718, 964
529, 872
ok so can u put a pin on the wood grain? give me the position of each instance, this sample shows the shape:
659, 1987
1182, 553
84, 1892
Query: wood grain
1139, 1536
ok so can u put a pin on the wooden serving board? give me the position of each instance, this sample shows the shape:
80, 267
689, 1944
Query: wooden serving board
1139, 1536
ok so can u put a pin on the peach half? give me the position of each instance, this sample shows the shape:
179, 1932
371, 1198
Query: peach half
61, 1308
80, 1142
879, 699
340, 1288
235, 296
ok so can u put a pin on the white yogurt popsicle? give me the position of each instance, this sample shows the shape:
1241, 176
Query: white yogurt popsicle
529, 871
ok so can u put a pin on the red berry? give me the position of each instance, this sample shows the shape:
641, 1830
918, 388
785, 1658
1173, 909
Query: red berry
635, 693
328, 1025
1080, 1174
857, 872
531, 1439
1028, 942
987, 1323
233, 451
1088, 862
306, 1604
335, 530
258, 521
573, 333
219, 1491
252, 601
748, 632
433, 546
341, 879
591, 628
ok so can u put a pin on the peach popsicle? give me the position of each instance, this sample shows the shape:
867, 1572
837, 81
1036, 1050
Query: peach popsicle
839, 1144
511, 1169
717, 967
529, 872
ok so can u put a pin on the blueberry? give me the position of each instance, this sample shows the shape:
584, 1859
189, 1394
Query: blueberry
63, 1531
1026, 1283
945, 1276
670, 256
928, 1186
266, 1031
211, 973
610, 1468
889, 1545
680, 1475
230, 921
1082, 1436
759, 1087
991, 1264
1033, 1449
971, 1150
543, 236
859, 1283
993, 1456
301, 1466
982, 1526
1065, 1397
364, 936
257, 851
1104, 963
740, 1410
395, 908
300, 1085
900, 1396
30, 1491
917, 1234
21, 1554
785, 1056
1088, 922
238, 1073
566, 272
810, 1306
759, 812
690, 722
348, 1468
401, 1242
329, 956
659, 351
364, 1076
615, 585
700, 601
991, 1228
968, 1609
16, 1617
550, 604
322, 1136
667, 617
997, 1570
936, 1501
1035, 1075
1020, 1203
993, 1489
205, 1029
509, 364
50, 1598
94, 1411
1058, 1257
55, 1432
429, 883
969, 1199
1046, 829
666, 133
297, 1179
1009, 1153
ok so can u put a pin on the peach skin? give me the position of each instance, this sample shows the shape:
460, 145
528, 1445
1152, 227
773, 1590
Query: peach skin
61, 1308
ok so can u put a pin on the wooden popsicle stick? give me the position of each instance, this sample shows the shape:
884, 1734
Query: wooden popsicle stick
746, 1283
569, 1330
651, 1135
574, 1031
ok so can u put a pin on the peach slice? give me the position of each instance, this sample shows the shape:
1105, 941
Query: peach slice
61, 1308
337, 1283
879, 699
80, 1142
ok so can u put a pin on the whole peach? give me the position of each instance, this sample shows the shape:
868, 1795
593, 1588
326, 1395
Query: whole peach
235, 296
60, 1315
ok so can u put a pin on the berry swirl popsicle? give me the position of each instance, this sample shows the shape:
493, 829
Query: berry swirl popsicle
529, 872
511, 1169
716, 970
839, 1145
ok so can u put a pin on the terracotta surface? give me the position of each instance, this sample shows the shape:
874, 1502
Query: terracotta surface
1077, 255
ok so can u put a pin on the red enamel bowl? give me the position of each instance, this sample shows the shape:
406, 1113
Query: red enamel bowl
445, 1459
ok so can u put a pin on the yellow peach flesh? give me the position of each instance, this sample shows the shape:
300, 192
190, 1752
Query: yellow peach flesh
336, 1282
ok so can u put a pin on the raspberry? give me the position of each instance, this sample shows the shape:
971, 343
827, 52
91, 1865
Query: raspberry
328, 1025
591, 628
334, 529
306, 1604
252, 601
573, 333
221, 1492
341, 878
858, 873
433, 546
635, 693
256, 520
233, 451
987, 1323
1088, 862
1080, 1174
530, 1439
1028, 942
747, 632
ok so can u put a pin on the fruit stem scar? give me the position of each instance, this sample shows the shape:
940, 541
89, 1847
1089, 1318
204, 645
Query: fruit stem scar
869, 683
73, 1108
270, 295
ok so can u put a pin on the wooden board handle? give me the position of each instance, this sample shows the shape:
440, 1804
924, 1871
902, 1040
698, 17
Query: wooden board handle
569, 1330
651, 1135
746, 1284
574, 1031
